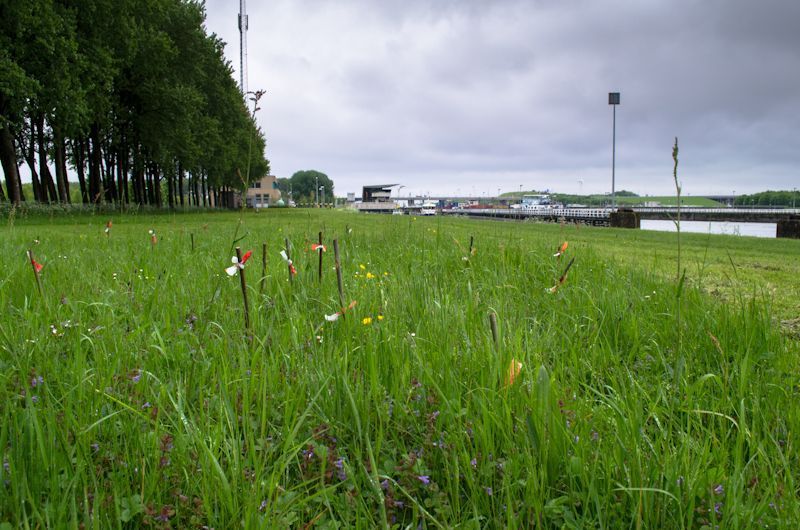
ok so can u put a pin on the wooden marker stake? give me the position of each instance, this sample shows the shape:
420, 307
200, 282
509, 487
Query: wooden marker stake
263, 267
471, 240
244, 290
338, 274
319, 251
192, 236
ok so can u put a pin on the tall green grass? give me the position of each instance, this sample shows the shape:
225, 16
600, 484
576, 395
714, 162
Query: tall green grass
134, 396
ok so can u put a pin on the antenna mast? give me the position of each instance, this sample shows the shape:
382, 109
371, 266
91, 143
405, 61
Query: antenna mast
243, 24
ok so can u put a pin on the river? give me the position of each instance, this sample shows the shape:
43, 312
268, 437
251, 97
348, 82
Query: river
714, 227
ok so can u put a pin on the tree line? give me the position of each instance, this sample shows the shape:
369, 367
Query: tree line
304, 186
133, 95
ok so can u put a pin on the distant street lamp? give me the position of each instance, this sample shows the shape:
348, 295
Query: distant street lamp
613, 100
322, 189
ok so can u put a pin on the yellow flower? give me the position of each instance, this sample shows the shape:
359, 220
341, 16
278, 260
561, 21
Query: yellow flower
366, 321
386, 274
362, 267
370, 276
380, 317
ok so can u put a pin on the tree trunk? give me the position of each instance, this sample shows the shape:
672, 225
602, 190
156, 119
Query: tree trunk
122, 167
95, 157
30, 158
80, 166
170, 191
204, 178
8, 156
61, 173
180, 182
157, 184
44, 170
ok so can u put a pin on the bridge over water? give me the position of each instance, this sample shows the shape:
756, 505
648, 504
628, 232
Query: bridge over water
787, 219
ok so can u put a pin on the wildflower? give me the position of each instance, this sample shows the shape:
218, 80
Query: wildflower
340, 472
36, 381
718, 508
366, 321
425, 479
238, 264
718, 489
318, 248
289, 262
136, 376
513, 372
262, 506
95, 447
474, 463
36, 265
362, 267
385, 485
386, 273
380, 317
370, 276
153, 237
488, 491
334, 317
561, 250
108, 227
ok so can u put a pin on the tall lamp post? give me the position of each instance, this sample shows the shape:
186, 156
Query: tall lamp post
613, 100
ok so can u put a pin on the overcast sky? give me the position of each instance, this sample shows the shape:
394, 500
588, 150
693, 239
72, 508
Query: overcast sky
447, 96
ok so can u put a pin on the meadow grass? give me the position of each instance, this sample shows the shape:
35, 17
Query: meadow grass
133, 396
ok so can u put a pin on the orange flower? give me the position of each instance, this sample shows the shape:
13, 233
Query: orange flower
561, 250
513, 372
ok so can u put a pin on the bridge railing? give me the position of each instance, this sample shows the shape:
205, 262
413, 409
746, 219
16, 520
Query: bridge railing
582, 213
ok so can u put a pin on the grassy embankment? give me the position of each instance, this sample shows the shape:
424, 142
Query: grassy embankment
133, 396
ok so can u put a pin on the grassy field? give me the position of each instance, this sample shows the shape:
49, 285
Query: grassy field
133, 395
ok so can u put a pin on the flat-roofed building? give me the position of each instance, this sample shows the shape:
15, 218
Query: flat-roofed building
261, 193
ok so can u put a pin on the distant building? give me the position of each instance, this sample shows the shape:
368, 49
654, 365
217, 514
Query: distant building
377, 198
262, 193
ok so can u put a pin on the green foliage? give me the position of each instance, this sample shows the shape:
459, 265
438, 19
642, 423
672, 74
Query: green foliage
304, 183
133, 397
788, 198
137, 85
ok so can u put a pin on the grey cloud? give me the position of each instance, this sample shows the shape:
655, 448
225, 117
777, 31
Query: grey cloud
454, 94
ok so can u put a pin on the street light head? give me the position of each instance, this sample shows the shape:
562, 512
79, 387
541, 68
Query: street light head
613, 98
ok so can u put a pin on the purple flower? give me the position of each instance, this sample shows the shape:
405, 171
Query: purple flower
262, 506
6, 466
95, 447
434, 415
718, 489
474, 463
718, 508
36, 381
34, 399
135, 378
147, 405
339, 463
385, 485
425, 479
488, 491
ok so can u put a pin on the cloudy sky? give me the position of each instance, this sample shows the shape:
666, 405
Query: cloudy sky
472, 96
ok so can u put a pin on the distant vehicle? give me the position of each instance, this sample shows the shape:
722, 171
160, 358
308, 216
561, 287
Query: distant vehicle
428, 208
399, 211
